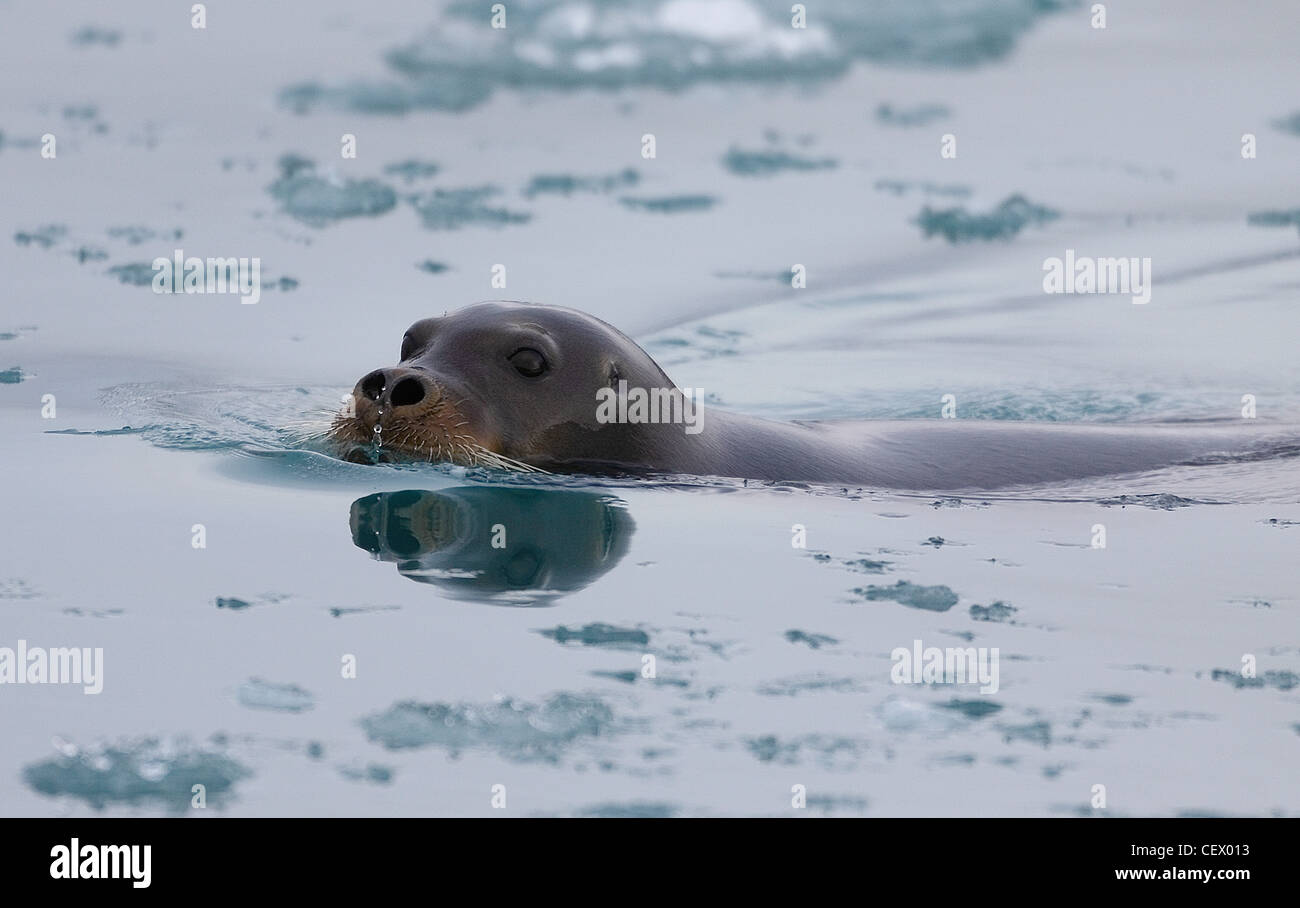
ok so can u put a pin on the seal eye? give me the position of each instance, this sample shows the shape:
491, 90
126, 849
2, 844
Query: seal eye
408, 347
528, 362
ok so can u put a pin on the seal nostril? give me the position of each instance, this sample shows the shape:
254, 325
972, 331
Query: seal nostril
372, 386
406, 392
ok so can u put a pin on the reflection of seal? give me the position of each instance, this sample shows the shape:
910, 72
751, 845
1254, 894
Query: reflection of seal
481, 542
516, 385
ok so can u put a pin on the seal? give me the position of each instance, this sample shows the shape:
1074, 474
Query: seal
519, 386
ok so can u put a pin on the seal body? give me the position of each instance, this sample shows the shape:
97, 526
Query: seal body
930, 455
519, 386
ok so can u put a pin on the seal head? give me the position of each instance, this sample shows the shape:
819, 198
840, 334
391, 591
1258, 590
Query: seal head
500, 384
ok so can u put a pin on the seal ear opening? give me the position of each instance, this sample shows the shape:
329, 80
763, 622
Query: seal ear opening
614, 375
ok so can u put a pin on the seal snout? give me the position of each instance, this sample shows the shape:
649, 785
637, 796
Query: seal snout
404, 411
394, 389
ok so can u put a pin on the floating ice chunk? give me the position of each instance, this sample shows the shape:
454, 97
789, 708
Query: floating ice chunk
256, 693
957, 225
929, 598
135, 771
672, 44
765, 162
451, 209
518, 731
670, 204
320, 200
